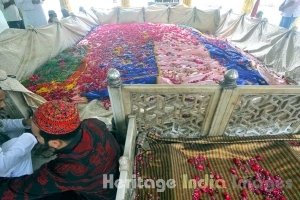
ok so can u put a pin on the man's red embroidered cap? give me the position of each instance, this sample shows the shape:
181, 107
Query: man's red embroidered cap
57, 117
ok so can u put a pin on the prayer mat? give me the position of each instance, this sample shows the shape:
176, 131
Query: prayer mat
219, 168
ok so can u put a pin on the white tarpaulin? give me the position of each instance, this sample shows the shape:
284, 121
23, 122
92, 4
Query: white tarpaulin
156, 14
277, 47
207, 21
182, 15
22, 51
3, 23
107, 16
131, 15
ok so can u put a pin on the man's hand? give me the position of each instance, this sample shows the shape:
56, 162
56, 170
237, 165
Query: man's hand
26, 122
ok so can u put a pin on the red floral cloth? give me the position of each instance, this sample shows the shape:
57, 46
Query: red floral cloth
80, 169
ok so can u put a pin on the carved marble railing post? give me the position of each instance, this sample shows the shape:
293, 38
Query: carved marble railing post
230, 78
127, 178
115, 95
219, 120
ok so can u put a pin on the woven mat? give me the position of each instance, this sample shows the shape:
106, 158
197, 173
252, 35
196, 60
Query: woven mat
169, 161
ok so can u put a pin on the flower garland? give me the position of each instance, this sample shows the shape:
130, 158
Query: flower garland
51, 79
143, 53
270, 185
269, 188
183, 60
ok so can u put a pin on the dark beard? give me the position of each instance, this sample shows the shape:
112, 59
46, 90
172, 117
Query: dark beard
44, 150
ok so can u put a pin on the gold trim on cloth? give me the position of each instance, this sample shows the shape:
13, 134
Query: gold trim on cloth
225, 139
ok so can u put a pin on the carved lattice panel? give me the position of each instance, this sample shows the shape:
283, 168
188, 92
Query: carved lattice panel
171, 115
265, 114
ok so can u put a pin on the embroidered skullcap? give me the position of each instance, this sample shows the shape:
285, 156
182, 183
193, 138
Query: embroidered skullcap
57, 117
